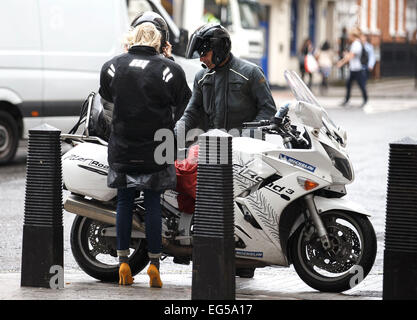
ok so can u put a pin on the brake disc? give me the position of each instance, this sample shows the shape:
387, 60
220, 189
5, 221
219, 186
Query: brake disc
99, 243
344, 253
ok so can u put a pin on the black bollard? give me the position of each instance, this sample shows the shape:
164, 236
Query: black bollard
213, 234
43, 244
400, 254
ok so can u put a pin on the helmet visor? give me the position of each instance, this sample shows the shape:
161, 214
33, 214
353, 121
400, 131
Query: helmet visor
193, 47
197, 47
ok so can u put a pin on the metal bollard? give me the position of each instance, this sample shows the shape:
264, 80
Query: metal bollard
213, 234
400, 254
43, 244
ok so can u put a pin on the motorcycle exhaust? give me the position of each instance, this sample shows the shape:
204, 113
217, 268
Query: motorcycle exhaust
175, 250
96, 211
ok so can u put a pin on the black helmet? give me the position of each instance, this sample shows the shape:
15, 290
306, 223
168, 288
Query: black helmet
212, 36
157, 20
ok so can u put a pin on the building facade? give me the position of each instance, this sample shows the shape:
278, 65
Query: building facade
390, 24
391, 28
290, 23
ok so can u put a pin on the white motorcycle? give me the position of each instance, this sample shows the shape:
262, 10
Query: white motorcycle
289, 206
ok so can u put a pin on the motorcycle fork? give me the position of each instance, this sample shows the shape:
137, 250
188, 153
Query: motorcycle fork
314, 216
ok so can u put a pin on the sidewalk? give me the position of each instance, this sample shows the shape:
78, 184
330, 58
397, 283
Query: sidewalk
391, 88
384, 95
284, 284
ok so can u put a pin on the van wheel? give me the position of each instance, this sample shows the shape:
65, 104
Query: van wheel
9, 137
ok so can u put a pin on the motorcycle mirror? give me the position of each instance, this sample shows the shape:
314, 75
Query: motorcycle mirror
281, 114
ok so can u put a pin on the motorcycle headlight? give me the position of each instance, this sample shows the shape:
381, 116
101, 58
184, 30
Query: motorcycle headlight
339, 162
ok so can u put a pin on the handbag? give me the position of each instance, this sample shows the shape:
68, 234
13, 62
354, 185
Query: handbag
310, 63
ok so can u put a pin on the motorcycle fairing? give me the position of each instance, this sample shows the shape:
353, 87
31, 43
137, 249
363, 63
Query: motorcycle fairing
85, 169
254, 239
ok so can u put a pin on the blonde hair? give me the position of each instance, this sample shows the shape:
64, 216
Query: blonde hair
356, 32
145, 34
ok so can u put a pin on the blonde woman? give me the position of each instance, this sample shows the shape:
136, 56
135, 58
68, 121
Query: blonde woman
165, 49
143, 85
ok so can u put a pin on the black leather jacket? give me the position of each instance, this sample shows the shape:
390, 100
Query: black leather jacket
143, 86
227, 96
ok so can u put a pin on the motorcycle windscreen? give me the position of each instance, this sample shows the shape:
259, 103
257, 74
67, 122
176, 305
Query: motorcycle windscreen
302, 93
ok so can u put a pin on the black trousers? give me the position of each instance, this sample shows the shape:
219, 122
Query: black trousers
360, 77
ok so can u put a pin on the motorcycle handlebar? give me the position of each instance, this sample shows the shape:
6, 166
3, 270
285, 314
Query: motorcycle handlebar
273, 126
256, 124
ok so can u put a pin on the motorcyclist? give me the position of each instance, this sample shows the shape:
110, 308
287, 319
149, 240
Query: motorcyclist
143, 85
227, 92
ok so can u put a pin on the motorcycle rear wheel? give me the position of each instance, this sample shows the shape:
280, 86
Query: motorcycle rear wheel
349, 261
97, 255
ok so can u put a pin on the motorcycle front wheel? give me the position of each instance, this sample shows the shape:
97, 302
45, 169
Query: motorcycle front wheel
97, 255
349, 260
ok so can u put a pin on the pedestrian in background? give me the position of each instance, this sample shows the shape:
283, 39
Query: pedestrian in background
325, 58
369, 66
306, 49
343, 43
356, 71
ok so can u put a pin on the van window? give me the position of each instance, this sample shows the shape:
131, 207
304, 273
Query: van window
19, 25
217, 13
67, 27
249, 14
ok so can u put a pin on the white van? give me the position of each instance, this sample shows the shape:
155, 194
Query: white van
51, 53
240, 17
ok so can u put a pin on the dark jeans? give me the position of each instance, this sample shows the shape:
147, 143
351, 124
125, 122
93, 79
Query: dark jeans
303, 73
367, 74
153, 222
360, 77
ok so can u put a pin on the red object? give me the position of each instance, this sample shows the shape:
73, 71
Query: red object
187, 180
310, 63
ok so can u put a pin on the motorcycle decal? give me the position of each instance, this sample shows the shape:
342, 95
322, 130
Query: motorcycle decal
92, 165
297, 163
102, 172
242, 173
265, 213
243, 178
243, 231
241, 182
77, 158
279, 191
254, 254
